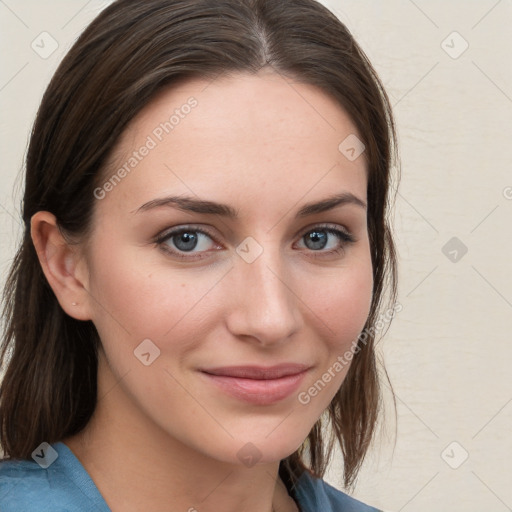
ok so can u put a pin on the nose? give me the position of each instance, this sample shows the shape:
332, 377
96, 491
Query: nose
264, 305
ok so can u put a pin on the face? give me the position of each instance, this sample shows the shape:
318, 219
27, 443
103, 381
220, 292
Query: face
180, 292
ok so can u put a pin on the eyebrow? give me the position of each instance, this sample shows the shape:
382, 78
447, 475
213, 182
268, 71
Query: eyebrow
191, 204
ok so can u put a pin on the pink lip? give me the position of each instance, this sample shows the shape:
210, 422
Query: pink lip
256, 384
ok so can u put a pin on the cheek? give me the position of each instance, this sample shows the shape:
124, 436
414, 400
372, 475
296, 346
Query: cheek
341, 313
343, 304
135, 301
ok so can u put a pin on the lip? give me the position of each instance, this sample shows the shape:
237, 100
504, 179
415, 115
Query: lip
258, 384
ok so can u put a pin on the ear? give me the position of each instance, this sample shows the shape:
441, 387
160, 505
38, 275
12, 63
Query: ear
62, 264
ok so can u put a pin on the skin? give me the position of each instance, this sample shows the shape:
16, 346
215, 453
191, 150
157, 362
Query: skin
162, 437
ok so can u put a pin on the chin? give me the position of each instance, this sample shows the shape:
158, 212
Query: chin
263, 449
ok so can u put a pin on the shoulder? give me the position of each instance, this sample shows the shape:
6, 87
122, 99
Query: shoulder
315, 494
26, 486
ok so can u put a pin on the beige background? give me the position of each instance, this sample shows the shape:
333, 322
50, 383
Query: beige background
448, 352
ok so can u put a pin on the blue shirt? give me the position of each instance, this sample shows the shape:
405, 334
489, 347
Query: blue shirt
65, 486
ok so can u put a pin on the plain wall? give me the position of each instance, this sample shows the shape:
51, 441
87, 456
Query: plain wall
448, 352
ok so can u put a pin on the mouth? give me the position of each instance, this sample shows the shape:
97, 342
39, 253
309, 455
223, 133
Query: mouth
257, 384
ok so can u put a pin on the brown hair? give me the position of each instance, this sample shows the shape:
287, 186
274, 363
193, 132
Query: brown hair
125, 56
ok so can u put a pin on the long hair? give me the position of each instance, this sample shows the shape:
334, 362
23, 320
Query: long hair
131, 51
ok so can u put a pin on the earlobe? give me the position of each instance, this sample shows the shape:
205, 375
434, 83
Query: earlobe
59, 261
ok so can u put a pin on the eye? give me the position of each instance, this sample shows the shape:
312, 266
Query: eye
186, 239
325, 236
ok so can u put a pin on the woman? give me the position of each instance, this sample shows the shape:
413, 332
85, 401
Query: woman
205, 257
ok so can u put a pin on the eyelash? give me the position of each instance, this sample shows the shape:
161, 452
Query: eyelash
343, 236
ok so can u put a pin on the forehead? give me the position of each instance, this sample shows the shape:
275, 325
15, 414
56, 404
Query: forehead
248, 136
